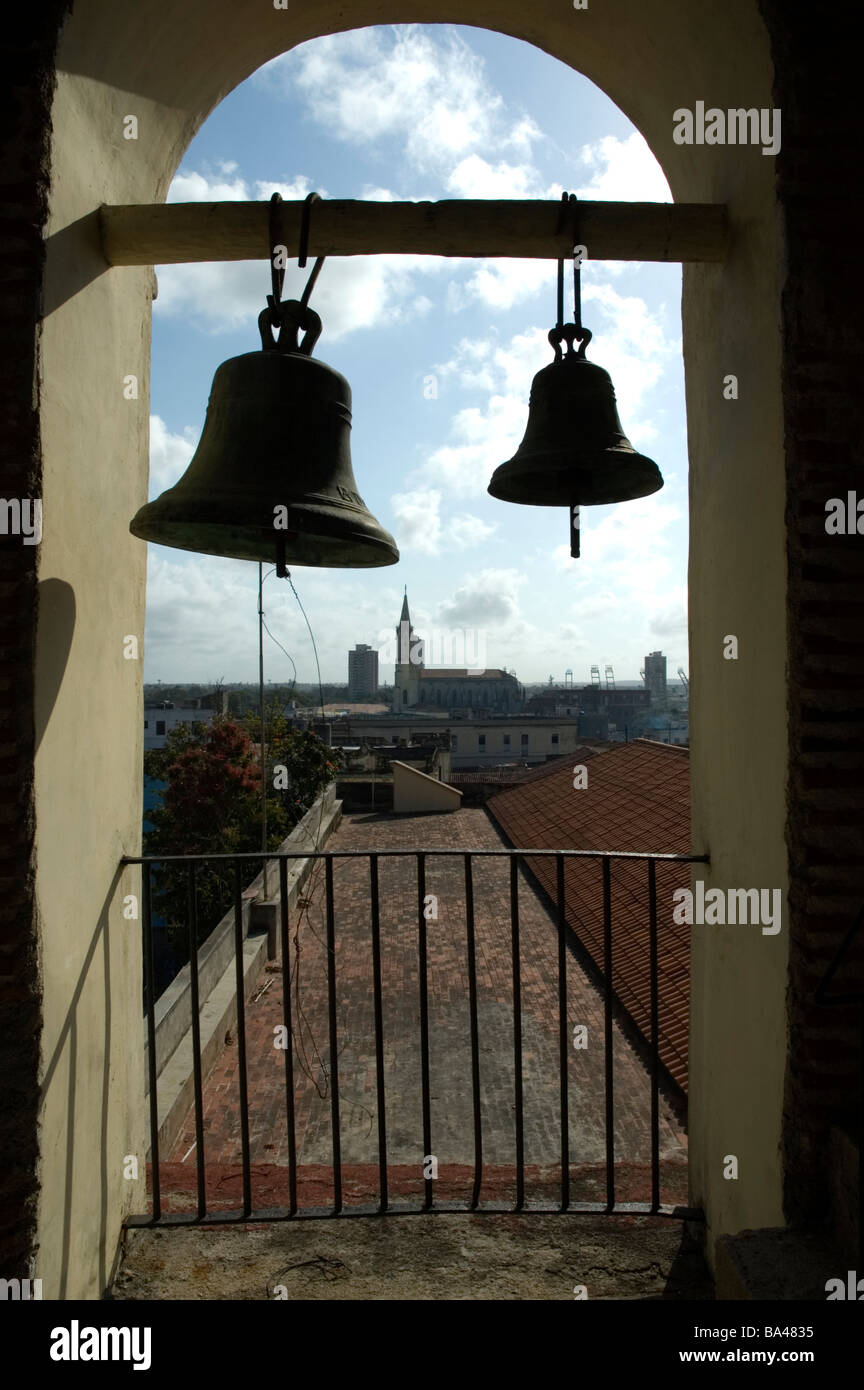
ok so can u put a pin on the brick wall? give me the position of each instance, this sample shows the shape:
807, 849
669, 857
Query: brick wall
29, 41
817, 87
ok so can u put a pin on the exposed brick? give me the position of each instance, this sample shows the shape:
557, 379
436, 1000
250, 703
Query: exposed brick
816, 86
26, 79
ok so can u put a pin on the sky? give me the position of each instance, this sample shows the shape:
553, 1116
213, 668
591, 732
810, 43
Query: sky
440, 354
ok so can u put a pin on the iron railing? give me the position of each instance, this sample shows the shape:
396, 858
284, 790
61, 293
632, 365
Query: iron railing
566, 944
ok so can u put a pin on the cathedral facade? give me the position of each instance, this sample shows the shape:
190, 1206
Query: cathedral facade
446, 689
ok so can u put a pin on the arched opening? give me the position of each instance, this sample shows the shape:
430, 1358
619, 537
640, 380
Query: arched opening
150, 61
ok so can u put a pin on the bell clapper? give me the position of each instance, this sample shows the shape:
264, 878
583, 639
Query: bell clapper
574, 532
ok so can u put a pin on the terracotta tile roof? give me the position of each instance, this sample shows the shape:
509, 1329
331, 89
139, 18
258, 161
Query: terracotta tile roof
520, 775
556, 765
638, 799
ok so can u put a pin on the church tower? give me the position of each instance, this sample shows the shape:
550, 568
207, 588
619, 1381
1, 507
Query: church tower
409, 663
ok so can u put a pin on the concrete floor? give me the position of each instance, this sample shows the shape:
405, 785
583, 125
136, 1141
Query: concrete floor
440, 1257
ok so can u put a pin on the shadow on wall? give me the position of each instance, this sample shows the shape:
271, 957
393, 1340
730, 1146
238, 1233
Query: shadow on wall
57, 612
69, 1032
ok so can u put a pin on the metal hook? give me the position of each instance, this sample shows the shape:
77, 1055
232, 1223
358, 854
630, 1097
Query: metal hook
277, 312
304, 227
302, 254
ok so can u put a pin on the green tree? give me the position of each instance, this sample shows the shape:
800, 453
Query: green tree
299, 765
212, 804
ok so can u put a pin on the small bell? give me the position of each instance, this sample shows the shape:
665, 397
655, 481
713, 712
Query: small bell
574, 452
271, 479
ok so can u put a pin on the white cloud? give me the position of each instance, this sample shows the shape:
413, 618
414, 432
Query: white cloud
428, 92
484, 438
418, 520
352, 292
467, 531
629, 341
202, 620
208, 186
475, 177
488, 598
524, 134
420, 526
623, 171
625, 574
471, 364
500, 284
191, 186
671, 620
169, 454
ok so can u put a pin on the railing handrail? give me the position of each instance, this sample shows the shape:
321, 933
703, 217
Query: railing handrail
517, 859
392, 853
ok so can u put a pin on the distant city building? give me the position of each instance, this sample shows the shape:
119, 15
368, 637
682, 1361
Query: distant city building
443, 689
160, 719
606, 712
655, 678
362, 673
474, 742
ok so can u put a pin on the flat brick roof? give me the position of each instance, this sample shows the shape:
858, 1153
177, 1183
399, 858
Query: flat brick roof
637, 799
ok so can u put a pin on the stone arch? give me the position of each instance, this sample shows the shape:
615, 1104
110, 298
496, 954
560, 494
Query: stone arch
170, 62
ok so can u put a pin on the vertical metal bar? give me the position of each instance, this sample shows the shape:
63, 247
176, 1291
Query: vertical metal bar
289, 1037
608, 1035
577, 282
334, 1053
424, 1026
861, 1151
379, 1032
475, 1038
563, 1040
517, 1031
241, 1036
150, 1000
655, 1037
196, 1037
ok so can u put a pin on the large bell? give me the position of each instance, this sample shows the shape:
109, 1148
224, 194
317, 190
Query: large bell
271, 478
575, 452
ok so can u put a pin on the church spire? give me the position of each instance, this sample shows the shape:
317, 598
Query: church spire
408, 651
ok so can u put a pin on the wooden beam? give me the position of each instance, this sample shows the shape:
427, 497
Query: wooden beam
169, 233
